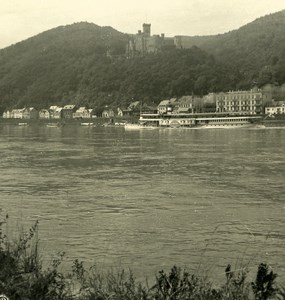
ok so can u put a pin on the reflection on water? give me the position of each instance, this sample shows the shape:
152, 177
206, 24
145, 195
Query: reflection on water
149, 199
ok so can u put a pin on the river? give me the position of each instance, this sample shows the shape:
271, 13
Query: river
148, 199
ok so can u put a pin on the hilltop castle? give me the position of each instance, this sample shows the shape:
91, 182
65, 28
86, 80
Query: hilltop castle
143, 42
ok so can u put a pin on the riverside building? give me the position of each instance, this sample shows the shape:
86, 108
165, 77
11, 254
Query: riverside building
240, 102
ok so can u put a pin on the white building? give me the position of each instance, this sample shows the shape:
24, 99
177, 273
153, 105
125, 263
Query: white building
275, 110
7, 114
17, 113
55, 112
83, 113
241, 102
44, 114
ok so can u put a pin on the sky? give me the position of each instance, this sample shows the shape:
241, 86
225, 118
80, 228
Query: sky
21, 19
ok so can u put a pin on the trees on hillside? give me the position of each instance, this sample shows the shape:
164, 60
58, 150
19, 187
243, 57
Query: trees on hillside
85, 63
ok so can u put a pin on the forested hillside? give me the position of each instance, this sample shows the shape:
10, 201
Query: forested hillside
50, 67
256, 50
85, 64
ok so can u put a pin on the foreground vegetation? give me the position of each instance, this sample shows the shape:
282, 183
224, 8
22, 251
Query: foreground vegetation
22, 276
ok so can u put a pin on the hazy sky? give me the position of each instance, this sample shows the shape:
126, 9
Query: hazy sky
20, 19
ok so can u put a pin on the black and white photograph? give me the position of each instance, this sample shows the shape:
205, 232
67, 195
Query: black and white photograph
142, 150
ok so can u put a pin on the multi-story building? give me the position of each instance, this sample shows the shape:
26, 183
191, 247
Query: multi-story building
83, 113
166, 106
184, 105
240, 102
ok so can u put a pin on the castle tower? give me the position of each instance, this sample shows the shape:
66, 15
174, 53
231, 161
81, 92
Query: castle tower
146, 29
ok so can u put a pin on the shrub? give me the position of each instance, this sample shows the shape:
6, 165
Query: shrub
264, 285
21, 275
23, 278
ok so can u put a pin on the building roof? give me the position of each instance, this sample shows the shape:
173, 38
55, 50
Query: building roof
69, 106
134, 105
164, 102
18, 110
183, 109
81, 109
53, 107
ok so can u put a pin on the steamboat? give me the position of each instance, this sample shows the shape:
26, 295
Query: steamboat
205, 120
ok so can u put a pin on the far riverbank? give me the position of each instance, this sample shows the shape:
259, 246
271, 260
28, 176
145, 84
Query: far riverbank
94, 121
278, 121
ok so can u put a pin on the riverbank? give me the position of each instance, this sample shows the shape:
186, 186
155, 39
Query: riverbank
93, 121
277, 121
274, 122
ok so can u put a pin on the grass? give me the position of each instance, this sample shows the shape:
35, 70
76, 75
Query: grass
23, 277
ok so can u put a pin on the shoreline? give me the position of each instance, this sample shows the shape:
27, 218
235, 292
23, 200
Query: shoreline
279, 121
44, 122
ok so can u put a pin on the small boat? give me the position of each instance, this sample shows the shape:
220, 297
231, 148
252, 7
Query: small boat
138, 126
106, 125
87, 124
55, 125
120, 124
52, 125
23, 124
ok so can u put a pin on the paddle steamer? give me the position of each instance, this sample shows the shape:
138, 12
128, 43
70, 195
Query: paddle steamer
205, 120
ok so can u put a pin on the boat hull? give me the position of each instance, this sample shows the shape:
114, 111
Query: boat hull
233, 126
87, 124
138, 127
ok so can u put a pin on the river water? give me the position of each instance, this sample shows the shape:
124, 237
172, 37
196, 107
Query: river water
148, 199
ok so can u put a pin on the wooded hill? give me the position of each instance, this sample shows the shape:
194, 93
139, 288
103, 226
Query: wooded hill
85, 64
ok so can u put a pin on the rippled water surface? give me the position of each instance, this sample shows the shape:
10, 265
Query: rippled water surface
149, 199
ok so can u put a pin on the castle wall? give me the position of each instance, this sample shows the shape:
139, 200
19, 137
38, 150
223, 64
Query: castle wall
143, 43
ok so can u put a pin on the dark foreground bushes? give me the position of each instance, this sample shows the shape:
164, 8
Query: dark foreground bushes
23, 277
